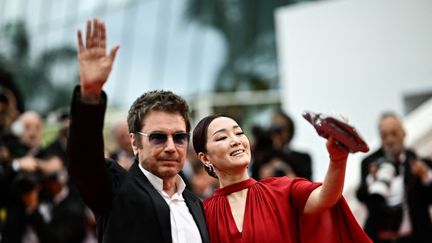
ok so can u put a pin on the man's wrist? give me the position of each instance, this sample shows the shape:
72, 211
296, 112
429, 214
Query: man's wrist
92, 100
90, 97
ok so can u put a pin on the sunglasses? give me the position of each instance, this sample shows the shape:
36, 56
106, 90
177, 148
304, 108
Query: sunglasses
158, 139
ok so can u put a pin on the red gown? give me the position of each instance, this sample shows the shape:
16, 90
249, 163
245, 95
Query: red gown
273, 213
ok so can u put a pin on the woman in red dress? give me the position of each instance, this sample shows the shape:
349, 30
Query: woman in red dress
276, 209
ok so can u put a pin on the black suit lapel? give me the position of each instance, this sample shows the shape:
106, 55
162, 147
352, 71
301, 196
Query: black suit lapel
198, 214
161, 207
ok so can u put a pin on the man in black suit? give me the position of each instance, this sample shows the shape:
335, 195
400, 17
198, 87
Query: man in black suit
396, 187
148, 203
60, 216
43, 207
282, 131
58, 146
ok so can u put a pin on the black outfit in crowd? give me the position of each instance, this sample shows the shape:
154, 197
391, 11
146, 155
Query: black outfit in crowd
57, 148
16, 218
417, 195
127, 207
67, 225
67, 218
300, 162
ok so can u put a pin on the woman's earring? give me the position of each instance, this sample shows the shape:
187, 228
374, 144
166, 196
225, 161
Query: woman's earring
210, 170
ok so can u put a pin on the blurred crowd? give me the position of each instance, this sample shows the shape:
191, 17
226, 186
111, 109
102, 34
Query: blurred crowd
272, 152
38, 202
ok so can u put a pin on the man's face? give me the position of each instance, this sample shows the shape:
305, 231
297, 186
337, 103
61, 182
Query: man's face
121, 136
163, 160
392, 135
32, 135
54, 173
280, 131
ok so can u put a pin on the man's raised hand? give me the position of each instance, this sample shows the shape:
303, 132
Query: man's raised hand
94, 63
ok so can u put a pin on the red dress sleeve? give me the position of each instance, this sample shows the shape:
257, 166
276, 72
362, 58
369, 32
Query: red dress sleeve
336, 224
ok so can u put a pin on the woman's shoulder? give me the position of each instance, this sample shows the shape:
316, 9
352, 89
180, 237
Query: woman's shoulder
287, 184
298, 189
212, 202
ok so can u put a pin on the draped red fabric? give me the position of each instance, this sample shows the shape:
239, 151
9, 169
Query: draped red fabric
273, 214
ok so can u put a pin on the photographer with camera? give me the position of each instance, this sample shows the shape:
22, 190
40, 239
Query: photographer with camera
272, 151
55, 214
46, 209
37, 202
282, 131
17, 175
396, 187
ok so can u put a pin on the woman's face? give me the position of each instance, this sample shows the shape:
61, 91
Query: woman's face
228, 147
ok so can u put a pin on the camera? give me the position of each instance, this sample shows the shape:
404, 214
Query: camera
12, 148
26, 182
384, 176
389, 217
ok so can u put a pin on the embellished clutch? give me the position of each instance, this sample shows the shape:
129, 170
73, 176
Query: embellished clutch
344, 134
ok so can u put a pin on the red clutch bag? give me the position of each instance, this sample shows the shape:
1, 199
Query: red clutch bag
344, 134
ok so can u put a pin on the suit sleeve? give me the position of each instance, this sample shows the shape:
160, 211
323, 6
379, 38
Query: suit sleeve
336, 224
86, 161
428, 187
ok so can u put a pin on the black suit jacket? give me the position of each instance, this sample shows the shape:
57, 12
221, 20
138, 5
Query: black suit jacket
300, 162
418, 196
67, 225
127, 207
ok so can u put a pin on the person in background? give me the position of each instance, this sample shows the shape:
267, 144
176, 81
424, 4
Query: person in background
396, 187
282, 131
21, 144
123, 154
56, 215
41, 205
202, 184
8, 109
11, 101
275, 166
58, 146
29, 128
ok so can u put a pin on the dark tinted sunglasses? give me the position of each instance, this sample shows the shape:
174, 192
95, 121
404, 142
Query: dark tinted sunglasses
159, 138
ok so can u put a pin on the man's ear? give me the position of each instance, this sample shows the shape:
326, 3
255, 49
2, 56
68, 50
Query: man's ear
133, 141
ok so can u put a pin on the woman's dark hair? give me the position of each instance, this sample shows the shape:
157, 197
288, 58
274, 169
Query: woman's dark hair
199, 138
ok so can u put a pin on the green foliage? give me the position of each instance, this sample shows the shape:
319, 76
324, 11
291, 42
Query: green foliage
248, 28
38, 77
